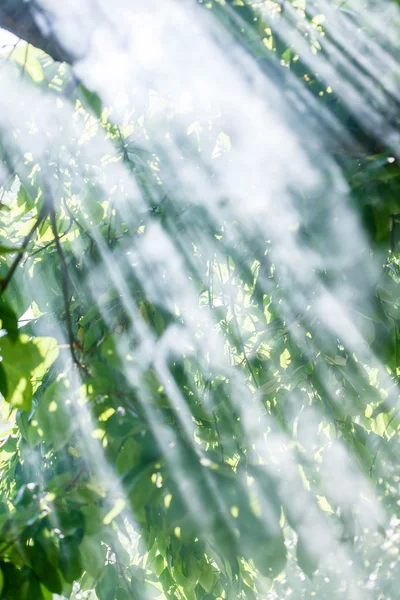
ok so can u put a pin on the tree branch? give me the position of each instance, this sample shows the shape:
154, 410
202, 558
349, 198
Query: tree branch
65, 287
5, 282
33, 23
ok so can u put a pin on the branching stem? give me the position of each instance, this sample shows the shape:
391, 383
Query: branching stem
65, 289
4, 283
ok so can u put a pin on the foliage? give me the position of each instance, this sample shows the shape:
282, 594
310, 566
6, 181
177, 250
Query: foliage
157, 440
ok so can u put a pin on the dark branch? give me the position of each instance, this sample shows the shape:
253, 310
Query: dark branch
6, 281
33, 23
64, 280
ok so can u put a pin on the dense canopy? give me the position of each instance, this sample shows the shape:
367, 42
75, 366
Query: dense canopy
199, 300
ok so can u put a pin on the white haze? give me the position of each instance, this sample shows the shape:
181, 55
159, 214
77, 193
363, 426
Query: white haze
177, 51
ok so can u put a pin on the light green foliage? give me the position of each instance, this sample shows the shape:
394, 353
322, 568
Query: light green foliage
125, 481
24, 362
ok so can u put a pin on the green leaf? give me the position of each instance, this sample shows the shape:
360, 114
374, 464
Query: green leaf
10, 250
106, 587
128, 457
93, 555
9, 320
285, 359
141, 489
92, 336
27, 57
44, 570
23, 355
19, 388
269, 556
23, 360
13, 580
70, 559
31, 589
59, 481
158, 564
52, 414
23, 198
3, 381
49, 351
46, 594
306, 559
207, 577
249, 592
91, 100
28, 430
70, 521
193, 568
166, 580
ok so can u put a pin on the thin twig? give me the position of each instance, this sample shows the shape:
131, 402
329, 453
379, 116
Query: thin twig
124, 144
66, 232
9, 545
6, 281
75, 480
110, 223
219, 437
25, 61
65, 289
75, 220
